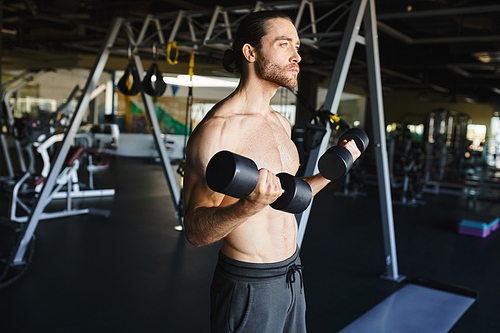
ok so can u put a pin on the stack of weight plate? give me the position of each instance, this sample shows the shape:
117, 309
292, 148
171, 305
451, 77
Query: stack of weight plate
479, 225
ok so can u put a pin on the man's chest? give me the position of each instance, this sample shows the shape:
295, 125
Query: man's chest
270, 148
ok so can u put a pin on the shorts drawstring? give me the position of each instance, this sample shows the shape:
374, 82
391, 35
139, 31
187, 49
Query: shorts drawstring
290, 275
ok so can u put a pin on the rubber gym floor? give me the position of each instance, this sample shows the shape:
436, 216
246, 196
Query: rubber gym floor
133, 272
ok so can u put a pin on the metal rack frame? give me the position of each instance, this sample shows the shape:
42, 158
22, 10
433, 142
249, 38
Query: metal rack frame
362, 11
72, 130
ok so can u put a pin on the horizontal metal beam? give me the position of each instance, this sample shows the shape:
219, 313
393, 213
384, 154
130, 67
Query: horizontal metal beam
459, 39
440, 12
438, 40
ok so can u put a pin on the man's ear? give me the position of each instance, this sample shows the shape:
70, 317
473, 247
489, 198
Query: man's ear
249, 52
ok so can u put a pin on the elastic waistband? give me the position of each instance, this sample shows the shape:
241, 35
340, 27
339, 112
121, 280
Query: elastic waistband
256, 270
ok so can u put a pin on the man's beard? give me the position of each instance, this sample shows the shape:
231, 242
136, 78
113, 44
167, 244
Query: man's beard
274, 73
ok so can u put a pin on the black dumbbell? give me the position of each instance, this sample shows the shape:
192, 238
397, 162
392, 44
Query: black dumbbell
237, 176
337, 161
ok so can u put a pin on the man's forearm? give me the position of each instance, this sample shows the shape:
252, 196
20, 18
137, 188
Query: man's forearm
206, 225
317, 183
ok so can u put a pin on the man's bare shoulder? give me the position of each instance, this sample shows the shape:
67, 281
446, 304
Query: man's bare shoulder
214, 121
226, 117
214, 132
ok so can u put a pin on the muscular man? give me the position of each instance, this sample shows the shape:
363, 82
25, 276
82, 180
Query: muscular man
257, 284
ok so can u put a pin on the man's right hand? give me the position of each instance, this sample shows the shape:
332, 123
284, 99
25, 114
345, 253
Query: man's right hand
267, 190
352, 147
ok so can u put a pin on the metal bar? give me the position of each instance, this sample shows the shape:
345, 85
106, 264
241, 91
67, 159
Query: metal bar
379, 141
15, 197
315, 21
313, 18
177, 23
26, 76
6, 153
9, 107
351, 36
145, 27
298, 17
311, 169
394, 33
228, 25
50, 197
96, 72
97, 91
54, 215
161, 38
20, 155
155, 129
190, 24
334, 34
218, 9
459, 39
346, 50
7, 84
68, 190
441, 12
85, 193
332, 100
340, 17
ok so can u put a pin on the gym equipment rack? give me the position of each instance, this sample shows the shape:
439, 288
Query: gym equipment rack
18, 256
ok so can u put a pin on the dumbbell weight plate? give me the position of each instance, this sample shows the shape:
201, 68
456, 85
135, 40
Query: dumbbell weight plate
359, 136
335, 162
297, 194
232, 174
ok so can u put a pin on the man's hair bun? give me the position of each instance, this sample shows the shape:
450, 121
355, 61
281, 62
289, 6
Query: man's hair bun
229, 61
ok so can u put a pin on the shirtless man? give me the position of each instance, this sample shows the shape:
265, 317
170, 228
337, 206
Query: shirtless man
257, 284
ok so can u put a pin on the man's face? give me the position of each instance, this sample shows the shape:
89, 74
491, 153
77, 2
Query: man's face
277, 60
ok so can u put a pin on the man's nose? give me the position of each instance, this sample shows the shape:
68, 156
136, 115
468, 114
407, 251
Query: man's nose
296, 57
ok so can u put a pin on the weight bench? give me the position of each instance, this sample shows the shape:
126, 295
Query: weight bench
66, 177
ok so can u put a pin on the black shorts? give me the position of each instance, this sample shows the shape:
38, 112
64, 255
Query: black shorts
263, 298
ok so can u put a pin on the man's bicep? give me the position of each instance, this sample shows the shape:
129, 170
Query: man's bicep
198, 194
201, 148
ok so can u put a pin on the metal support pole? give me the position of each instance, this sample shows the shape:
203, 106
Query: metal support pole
218, 10
360, 11
177, 24
96, 72
333, 96
6, 152
311, 169
344, 58
155, 129
145, 26
20, 155
379, 141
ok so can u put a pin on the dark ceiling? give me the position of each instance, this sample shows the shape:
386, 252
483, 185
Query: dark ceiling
448, 47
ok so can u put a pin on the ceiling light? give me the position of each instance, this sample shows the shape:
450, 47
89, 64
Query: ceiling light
487, 57
201, 81
9, 31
